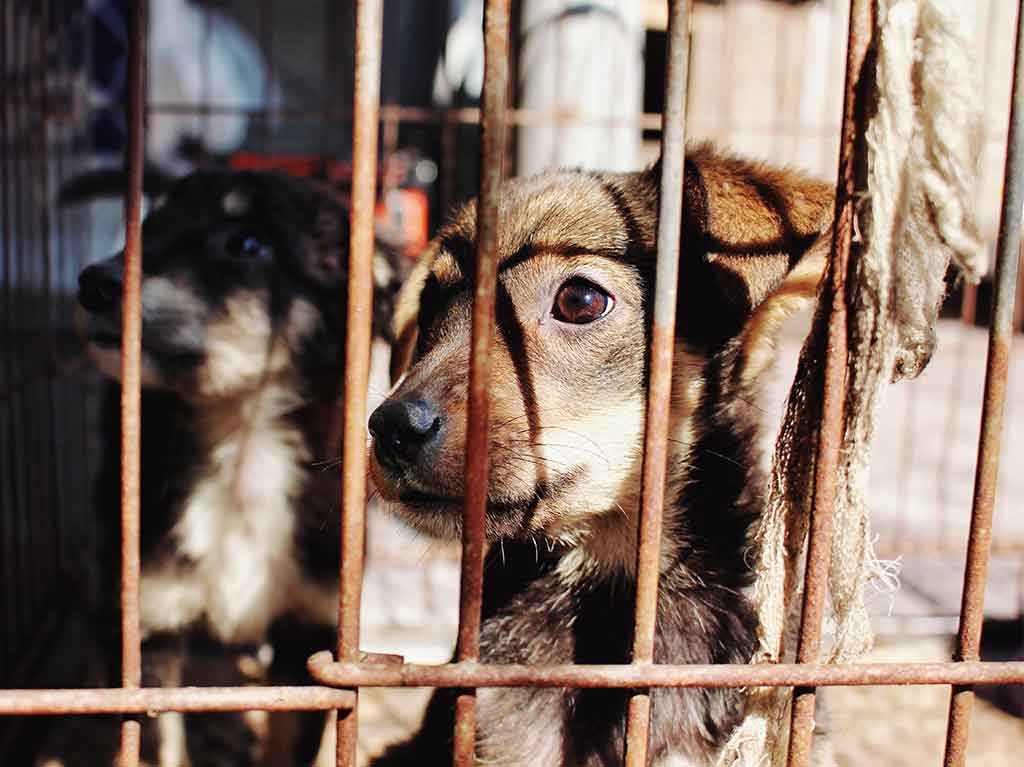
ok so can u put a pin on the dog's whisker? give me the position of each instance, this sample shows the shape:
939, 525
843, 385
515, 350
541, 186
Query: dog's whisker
708, 450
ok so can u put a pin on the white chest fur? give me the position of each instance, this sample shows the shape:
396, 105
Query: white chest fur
237, 529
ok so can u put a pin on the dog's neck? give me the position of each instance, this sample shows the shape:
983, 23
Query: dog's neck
275, 404
607, 548
712, 493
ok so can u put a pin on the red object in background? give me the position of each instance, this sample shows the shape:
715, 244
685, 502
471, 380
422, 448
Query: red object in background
304, 165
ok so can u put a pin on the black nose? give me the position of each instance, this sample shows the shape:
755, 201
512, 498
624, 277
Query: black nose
99, 287
401, 429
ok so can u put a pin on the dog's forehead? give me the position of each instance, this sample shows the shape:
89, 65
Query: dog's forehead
563, 213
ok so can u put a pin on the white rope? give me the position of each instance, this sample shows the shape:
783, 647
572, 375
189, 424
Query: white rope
923, 145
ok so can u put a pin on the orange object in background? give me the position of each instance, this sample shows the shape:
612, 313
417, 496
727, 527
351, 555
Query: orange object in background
405, 215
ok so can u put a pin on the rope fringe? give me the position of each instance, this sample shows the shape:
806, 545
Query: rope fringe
923, 145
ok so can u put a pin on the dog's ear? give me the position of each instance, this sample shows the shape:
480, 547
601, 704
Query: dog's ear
754, 246
405, 321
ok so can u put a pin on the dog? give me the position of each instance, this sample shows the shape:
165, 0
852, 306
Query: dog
570, 368
243, 328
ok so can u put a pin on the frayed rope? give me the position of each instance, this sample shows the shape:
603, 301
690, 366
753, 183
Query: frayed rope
923, 146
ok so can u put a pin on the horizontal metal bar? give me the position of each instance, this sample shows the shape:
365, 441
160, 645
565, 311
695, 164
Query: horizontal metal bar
397, 113
326, 671
116, 700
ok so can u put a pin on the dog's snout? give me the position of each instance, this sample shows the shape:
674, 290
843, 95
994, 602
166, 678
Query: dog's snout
99, 287
403, 428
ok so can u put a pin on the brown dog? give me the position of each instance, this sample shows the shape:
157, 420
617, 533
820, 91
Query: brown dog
575, 291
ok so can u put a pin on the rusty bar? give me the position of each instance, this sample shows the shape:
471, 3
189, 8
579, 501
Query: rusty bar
369, 25
670, 217
969, 305
433, 115
492, 154
830, 433
623, 676
131, 650
162, 699
972, 606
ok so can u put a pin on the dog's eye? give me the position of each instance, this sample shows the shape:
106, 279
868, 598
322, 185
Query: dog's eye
248, 246
580, 302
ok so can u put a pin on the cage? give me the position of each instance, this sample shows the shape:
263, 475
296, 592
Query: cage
246, 84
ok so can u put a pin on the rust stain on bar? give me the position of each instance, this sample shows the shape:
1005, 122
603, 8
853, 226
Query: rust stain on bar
830, 434
369, 25
492, 153
972, 605
659, 391
131, 649
623, 676
161, 699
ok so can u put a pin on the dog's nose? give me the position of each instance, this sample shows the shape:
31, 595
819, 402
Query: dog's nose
401, 429
99, 287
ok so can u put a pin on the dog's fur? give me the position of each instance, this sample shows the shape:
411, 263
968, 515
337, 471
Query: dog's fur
243, 314
566, 425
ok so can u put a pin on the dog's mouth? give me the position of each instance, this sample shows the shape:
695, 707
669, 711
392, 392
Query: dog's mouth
420, 503
421, 498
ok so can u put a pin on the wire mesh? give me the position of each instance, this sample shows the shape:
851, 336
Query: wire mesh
38, 255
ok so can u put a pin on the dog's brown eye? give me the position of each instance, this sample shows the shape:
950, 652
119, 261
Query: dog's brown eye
580, 302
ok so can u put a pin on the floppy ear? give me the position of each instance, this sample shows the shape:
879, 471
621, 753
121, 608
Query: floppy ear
326, 258
405, 322
754, 249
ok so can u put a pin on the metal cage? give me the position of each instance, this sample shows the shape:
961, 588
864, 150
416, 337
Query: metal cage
27, 65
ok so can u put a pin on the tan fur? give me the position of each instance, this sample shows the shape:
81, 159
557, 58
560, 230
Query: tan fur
566, 426
570, 226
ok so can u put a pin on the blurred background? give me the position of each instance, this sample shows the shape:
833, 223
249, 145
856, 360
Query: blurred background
268, 84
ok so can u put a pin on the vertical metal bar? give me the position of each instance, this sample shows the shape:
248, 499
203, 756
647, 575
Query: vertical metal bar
51, 524
492, 155
7, 536
131, 650
670, 216
969, 305
830, 433
996, 373
369, 25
